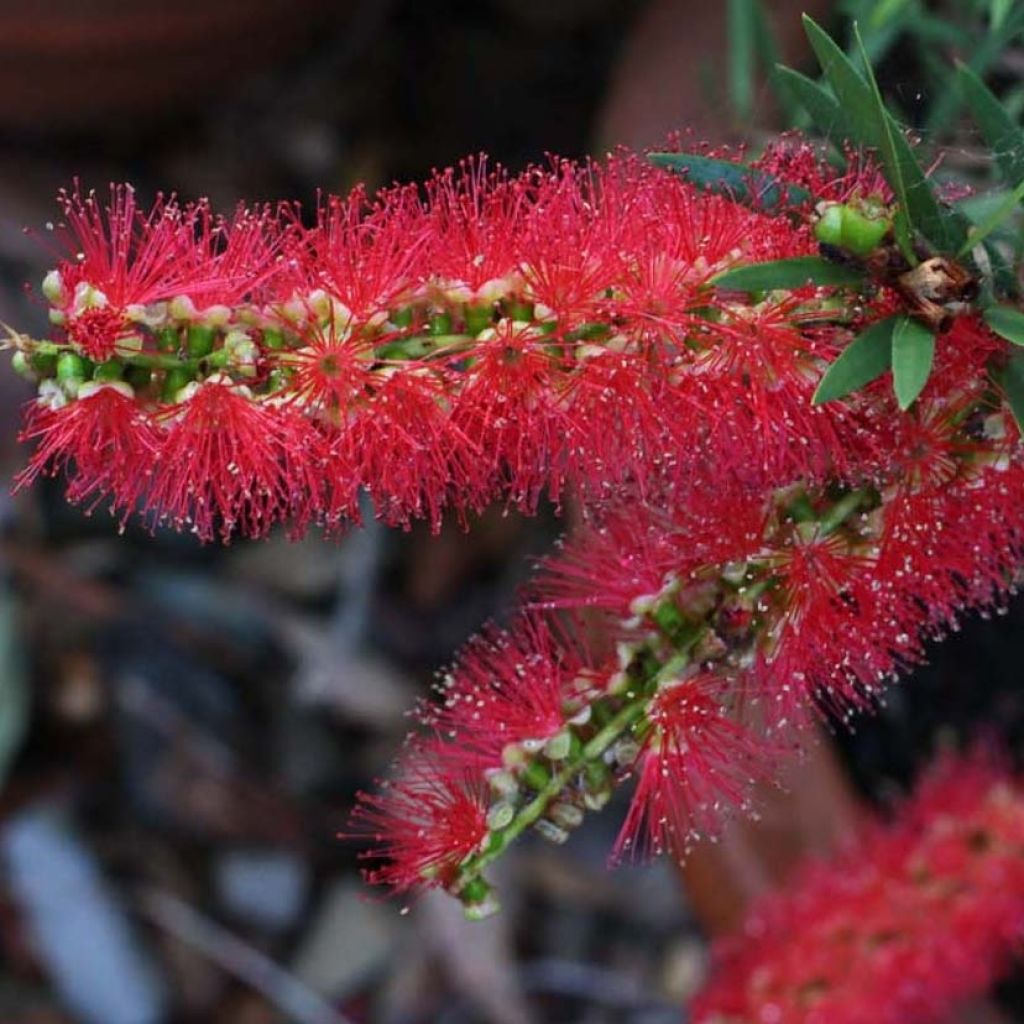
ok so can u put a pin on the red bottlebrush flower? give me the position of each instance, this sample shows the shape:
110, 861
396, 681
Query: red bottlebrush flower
103, 440
634, 549
569, 244
509, 402
385, 425
232, 257
905, 924
366, 256
119, 257
476, 225
695, 762
793, 160
508, 686
423, 821
221, 464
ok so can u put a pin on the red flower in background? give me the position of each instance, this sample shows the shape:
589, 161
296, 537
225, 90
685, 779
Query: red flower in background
906, 923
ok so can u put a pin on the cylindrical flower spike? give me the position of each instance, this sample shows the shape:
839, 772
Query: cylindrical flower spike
904, 925
756, 556
504, 338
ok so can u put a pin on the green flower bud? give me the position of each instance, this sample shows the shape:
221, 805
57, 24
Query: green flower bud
199, 340
829, 227
71, 369
112, 369
53, 287
440, 323
500, 815
174, 380
22, 366
168, 339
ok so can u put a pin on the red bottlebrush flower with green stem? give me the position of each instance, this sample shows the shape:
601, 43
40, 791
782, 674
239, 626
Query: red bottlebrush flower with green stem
796, 462
426, 820
695, 760
118, 260
905, 924
221, 463
101, 441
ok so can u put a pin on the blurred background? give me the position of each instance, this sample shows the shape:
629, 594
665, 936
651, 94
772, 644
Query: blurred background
183, 729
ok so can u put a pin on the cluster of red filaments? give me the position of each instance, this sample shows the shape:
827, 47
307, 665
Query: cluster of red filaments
748, 559
908, 922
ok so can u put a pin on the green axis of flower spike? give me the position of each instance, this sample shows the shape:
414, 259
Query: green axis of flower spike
498, 842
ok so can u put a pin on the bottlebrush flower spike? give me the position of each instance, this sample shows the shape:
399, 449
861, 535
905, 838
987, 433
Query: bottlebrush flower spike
117, 260
908, 922
221, 463
502, 337
102, 441
694, 759
509, 687
427, 818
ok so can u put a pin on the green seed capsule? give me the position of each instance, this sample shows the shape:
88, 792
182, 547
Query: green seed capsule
199, 340
863, 230
441, 323
273, 338
71, 367
478, 318
174, 380
168, 339
110, 370
829, 228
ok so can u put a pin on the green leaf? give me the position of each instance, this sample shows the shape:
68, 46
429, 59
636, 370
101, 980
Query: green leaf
826, 114
885, 10
913, 352
790, 273
1007, 322
852, 93
1004, 138
768, 54
998, 216
893, 166
997, 12
1011, 379
868, 356
872, 127
742, 33
739, 182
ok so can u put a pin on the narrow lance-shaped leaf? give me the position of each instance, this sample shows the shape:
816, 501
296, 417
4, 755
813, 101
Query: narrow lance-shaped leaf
741, 32
868, 356
1004, 138
894, 170
789, 273
1011, 380
872, 127
1007, 322
737, 181
994, 220
913, 352
825, 113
